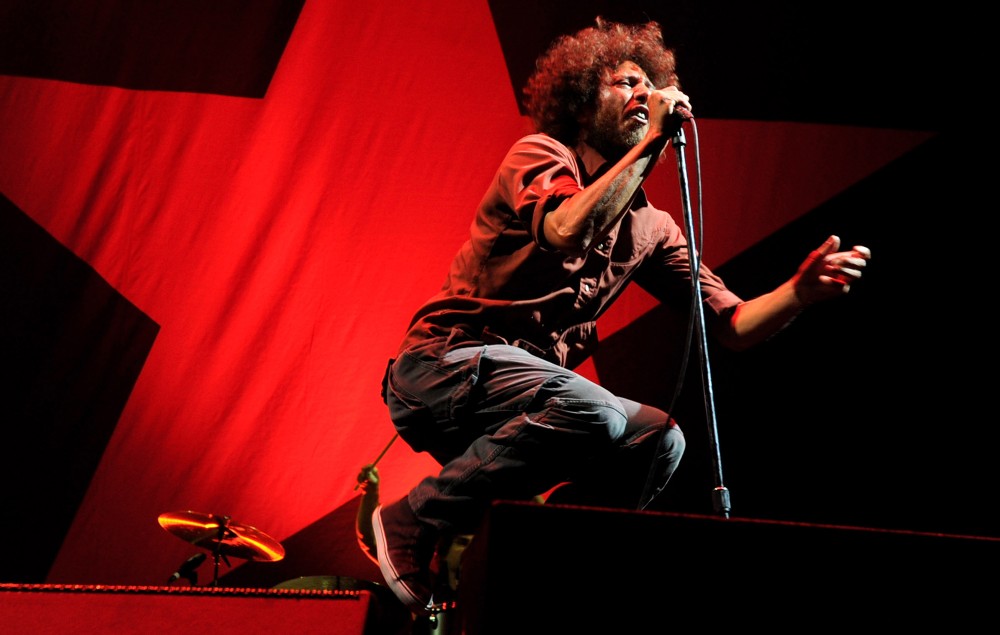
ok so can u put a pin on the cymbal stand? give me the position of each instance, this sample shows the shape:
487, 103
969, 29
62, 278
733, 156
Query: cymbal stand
217, 554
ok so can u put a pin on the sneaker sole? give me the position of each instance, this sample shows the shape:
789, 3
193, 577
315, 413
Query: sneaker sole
411, 600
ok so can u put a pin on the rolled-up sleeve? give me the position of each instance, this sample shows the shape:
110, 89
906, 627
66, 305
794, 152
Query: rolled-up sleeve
535, 177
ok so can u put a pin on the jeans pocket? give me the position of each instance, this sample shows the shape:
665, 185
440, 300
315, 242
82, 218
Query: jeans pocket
429, 390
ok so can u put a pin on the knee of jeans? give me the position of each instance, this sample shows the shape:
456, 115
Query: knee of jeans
673, 442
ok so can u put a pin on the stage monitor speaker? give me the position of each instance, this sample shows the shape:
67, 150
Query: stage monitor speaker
139, 610
536, 568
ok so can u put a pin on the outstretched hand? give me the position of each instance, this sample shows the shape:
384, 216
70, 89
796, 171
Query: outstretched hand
827, 273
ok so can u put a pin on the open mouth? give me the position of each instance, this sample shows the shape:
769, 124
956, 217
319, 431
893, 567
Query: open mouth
638, 114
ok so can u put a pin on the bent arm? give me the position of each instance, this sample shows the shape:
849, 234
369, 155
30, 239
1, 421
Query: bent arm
583, 219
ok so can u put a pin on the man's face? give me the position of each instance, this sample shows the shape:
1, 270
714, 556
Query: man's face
621, 116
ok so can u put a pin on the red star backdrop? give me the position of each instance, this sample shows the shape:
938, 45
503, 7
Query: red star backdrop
216, 221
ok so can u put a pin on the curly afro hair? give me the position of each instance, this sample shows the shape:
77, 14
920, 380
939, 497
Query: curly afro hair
568, 75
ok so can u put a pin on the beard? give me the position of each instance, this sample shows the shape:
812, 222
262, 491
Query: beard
612, 137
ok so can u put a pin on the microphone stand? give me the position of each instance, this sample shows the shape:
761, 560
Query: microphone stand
720, 495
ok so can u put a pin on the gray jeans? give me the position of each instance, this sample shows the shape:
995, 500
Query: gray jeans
506, 424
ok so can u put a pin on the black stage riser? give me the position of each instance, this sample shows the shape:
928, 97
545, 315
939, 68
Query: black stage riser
564, 570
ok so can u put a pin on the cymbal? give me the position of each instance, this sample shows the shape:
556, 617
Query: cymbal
219, 534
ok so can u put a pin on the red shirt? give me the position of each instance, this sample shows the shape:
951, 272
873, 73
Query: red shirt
507, 285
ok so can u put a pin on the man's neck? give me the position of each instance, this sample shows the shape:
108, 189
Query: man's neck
592, 159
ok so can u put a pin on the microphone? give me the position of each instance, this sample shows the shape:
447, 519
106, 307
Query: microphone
187, 570
683, 115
